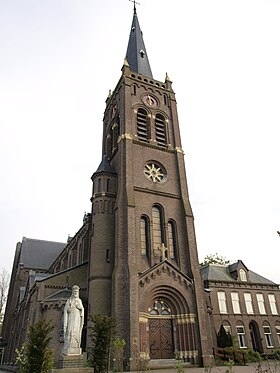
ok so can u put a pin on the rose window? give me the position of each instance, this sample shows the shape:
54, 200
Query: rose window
153, 172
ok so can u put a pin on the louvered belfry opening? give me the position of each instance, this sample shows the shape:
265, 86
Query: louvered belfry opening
142, 125
160, 130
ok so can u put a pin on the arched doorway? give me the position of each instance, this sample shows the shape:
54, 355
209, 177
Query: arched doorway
167, 320
255, 336
161, 331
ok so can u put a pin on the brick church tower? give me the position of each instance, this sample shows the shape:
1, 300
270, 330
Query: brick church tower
143, 267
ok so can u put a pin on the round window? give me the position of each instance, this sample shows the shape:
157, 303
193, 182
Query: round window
154, 172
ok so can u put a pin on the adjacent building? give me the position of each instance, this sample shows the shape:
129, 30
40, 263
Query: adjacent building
245, 303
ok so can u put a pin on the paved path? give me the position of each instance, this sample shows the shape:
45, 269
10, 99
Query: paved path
250, 368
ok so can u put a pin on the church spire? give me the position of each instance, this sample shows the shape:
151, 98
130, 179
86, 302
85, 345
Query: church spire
136, 54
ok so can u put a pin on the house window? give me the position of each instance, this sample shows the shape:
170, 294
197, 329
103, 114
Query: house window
227, 327
272, 303
158, 232
248, 303
171, 240
267, 335
160, 130
277, 327
99, 185
142, 125
235, 302
241, 336
261, 306
242, 275
222, 301
144, 235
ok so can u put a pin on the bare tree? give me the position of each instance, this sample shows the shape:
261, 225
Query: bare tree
4, 286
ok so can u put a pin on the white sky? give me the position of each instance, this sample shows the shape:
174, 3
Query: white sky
58, 60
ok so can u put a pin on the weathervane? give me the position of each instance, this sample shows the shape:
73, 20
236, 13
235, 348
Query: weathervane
133, 1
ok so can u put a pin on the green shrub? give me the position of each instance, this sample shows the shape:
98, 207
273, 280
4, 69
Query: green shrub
119, 345
252, 356
35, 356
102, 332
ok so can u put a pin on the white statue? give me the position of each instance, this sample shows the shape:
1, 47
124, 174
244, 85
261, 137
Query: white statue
73, 323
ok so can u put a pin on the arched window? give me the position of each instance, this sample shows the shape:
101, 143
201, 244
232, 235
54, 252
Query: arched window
227, 327
116, 132
142, 125
242, 275
172, 239
160, 130
108, 189
240, 331
160, 307
158, 228
277, 328
109, 144
267, 334
144, 234
99, 185
134, 89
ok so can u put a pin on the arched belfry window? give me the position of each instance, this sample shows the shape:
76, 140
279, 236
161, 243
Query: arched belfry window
142, 125
160, 130
116, 132
144, 235
110, 143
158, 228
172, 239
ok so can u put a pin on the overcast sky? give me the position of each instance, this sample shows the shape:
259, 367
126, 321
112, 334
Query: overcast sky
58, 60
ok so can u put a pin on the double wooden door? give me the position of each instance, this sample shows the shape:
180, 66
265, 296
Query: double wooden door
161, 339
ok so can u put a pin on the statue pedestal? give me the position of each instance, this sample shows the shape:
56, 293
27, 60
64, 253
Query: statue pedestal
71, 361
72, 351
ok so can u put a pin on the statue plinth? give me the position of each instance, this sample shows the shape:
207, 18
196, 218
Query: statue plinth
72, 351
71, 361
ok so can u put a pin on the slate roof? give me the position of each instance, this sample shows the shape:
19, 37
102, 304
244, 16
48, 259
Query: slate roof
39, 254
136, 54
217, 272
105, 166
59, 295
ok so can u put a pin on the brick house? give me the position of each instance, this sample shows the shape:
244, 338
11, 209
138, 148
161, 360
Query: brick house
245, 303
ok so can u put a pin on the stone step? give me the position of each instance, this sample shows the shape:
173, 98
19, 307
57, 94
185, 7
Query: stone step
165, 363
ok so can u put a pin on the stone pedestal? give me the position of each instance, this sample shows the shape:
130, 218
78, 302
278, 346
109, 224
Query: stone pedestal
71, 361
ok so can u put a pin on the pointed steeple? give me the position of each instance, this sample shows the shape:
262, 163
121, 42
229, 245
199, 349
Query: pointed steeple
136, 54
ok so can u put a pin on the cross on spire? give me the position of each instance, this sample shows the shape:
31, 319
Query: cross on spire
133, 1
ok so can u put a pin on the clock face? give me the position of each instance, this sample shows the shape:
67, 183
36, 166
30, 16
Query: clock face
150, 100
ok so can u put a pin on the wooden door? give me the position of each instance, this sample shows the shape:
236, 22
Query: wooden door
161, 339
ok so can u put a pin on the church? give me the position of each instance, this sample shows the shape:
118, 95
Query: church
135, 256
